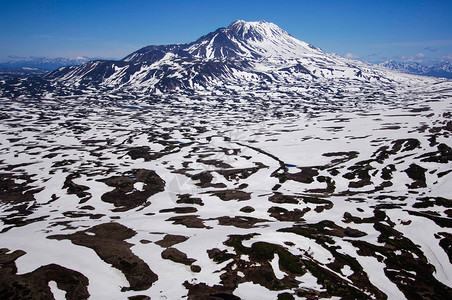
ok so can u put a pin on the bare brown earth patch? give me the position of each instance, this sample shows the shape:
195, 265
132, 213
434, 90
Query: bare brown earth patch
108, 241
77, 214
148, 155
416, 173
446, 243
360, 173
257, 269
143, 152
413, 275
179, 210
125, 196
321, 203
348, 217
17, 192
346, 156
324, 229
187, 199
171, 240
282, 214
203, 291
191, 221
400, 145
247, 209
322, 233
177, 256
281, 199
306, 175
444, 222
443, 155
238, 221
205, 180
236, 174
35, 285
227, 195
139, 297
13, 193
76, 189
214, 162
330, 186
424, 202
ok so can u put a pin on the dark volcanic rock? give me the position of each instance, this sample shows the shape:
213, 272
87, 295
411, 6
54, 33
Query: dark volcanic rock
170, 240
240, 222
280, 199
190, 221
187, 199
108, 241
179, 210
177, 256
227, 195
77, 189
416, 173
20, 196
247, 209
205, 179
35, 285
282, 214
125, 196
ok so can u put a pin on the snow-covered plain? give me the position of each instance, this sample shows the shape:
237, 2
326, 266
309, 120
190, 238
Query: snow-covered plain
257, 200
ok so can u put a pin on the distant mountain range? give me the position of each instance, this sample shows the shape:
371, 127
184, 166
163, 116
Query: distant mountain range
42, 64
443, 69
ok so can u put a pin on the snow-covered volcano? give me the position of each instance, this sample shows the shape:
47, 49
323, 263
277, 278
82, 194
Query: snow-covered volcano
239, 40
243, 56
250, 40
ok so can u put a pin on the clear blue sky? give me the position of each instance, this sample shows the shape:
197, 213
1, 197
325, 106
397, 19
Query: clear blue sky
371, 30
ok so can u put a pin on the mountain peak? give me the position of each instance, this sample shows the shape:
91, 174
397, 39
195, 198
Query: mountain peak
241, 23
241, 39
250, 39
258, 31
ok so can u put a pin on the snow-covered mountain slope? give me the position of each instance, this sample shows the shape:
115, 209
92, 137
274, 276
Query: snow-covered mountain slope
250, 40
256, 54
